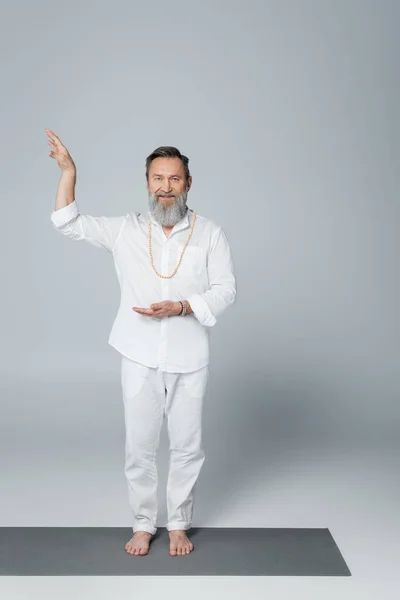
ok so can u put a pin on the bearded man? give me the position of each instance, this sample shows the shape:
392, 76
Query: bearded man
176, 274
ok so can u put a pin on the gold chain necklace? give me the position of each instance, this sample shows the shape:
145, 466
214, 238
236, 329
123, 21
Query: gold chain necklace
182, 253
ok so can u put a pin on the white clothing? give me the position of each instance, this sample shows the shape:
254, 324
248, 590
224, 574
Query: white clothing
149, 395
205, 277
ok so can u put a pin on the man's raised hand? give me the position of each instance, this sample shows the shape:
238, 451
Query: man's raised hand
60, 153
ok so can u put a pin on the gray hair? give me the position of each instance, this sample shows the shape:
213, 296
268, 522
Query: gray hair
168, 152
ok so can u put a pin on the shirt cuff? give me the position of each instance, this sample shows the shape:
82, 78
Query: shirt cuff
201, 310
63, 215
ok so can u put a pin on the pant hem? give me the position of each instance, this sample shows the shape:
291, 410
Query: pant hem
181, 526
149, 529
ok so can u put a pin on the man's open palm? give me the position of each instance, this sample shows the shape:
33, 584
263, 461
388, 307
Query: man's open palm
159, 310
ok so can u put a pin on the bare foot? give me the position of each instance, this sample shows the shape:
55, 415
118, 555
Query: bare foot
139, 543
179, 543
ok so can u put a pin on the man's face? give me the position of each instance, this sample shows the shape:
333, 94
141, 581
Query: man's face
167, 190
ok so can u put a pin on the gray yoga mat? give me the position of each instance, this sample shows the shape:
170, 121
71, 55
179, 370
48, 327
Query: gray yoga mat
217, 551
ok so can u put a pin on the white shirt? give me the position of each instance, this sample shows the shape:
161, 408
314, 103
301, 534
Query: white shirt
205, 277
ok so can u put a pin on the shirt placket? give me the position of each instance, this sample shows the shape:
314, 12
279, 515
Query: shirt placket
162, 347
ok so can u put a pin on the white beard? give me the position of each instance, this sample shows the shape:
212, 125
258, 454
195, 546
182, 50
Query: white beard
168, 215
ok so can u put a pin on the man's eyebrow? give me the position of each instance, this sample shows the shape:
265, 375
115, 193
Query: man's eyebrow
160, 175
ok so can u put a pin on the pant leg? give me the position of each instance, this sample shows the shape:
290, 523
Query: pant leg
143, 393
184, 406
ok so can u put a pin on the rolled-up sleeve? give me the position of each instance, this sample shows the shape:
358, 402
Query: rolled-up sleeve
208, 306
101, 232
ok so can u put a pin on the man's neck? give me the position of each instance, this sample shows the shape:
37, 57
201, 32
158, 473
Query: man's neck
167, 229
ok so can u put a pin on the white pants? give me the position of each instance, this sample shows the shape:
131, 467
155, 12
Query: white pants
149, 395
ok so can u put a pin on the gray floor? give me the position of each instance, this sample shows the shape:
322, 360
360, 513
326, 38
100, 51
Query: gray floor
217, 551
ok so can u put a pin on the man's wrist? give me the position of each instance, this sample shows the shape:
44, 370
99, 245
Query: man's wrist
179, 308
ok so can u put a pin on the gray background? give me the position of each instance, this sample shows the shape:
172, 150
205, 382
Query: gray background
288, 112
